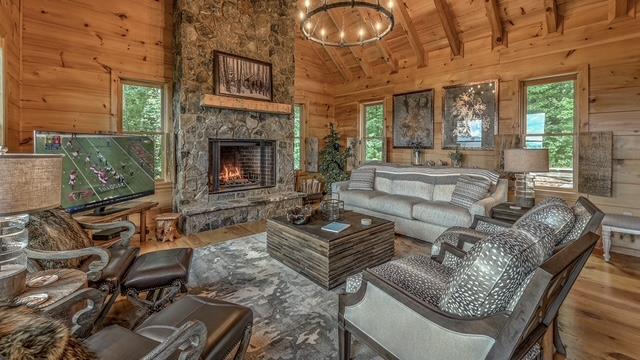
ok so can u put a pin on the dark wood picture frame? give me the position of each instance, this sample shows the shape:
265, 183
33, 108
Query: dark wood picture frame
217, 76
430, 93
495, 113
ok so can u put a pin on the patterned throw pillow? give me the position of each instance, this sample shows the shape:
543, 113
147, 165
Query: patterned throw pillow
362, 179
469, 190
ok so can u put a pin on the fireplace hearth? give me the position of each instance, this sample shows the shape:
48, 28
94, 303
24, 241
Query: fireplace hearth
238, 165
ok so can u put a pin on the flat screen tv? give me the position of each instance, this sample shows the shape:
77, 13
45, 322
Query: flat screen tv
100, 170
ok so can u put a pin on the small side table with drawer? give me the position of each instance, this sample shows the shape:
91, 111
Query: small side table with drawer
508, 212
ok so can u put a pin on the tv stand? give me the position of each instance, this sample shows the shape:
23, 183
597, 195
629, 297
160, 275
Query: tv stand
108, 210
139, 208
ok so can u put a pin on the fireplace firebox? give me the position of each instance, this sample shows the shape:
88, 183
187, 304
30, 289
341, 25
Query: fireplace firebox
237, 165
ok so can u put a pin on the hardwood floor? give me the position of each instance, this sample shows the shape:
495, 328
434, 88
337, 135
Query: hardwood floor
599, 320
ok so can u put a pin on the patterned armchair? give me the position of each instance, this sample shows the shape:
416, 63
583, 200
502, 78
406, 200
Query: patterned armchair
56, 240
497, 304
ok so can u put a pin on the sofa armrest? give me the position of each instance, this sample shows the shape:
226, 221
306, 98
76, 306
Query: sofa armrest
489, 225
125, 236
339, 186
483, 207
188, 341
95, 268
82, 320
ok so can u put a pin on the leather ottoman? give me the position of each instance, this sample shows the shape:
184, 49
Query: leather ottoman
160, 274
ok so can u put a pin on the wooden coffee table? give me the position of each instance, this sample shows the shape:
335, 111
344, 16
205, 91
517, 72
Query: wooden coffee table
328, 258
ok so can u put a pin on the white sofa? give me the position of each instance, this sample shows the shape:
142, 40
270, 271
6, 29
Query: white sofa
417, 199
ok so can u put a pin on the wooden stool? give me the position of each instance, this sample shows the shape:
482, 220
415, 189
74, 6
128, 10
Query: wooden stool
167, 226
625, 224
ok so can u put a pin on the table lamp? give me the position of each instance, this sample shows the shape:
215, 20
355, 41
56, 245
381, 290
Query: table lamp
28, 183
523, 162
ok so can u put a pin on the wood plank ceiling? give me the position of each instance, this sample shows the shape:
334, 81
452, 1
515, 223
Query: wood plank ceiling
424, 26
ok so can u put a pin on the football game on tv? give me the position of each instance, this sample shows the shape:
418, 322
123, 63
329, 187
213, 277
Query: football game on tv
100, 170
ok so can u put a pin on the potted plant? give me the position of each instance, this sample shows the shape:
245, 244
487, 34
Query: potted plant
456, 158
333, 159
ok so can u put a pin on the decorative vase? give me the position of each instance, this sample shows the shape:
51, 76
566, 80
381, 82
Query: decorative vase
417, 157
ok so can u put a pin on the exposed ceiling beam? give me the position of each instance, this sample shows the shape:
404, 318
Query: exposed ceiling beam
619, 9
551, 16
449, 26
337, 61
381, 44
401, 12
498, 35
355, 51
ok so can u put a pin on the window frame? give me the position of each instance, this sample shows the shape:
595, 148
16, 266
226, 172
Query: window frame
118, 81
524, 84
362, 153
303, 118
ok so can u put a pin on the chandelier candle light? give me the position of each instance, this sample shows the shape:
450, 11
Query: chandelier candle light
523, 162
343, 23
29, 183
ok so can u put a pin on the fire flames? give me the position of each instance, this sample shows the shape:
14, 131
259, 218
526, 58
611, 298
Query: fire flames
231, 174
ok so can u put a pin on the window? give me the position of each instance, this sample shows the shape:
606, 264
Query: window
144, 113
297, 136
2, 93
550, 117
373, 132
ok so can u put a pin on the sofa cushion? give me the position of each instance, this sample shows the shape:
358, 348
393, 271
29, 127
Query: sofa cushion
493, 270
362, 179
421, 189
469, 190
398, 205
443, 192
441, 213
359, 198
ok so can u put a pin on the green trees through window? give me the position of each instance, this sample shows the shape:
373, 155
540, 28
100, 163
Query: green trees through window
550, 124
373, 132
142, 113
297, 136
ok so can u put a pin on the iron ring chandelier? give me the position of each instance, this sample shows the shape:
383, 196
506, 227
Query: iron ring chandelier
311, 20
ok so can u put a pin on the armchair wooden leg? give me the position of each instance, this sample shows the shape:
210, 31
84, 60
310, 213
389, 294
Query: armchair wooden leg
548, 350
557, 340
344, 339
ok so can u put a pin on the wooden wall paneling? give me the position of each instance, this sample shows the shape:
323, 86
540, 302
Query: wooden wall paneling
10, 35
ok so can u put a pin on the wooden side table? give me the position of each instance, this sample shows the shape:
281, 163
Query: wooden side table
69, 281
504, 212
167, 226
140, 208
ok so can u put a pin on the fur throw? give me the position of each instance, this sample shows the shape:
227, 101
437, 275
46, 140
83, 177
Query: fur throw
28, 335
55, 230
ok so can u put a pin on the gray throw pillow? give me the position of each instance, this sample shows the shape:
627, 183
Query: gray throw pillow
469, 190
362, 179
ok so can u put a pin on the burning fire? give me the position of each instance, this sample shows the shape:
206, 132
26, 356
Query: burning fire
230, 174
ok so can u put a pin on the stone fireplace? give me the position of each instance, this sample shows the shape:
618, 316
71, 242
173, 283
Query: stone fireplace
239, 165
261, 30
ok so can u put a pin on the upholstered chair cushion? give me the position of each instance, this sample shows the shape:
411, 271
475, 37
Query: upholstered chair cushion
56, 230
494, 269
469, 190
362, 179
553, 212
582, 218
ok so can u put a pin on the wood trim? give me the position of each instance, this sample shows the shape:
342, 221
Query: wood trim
619, 9
552, 18
401, 12
225, 102
446, 18
4, 96
498, 34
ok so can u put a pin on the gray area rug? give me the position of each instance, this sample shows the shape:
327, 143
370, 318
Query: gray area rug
293, 317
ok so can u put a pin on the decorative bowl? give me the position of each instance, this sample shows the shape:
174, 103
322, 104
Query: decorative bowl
299, 216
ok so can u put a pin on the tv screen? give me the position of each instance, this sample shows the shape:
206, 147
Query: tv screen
100, 170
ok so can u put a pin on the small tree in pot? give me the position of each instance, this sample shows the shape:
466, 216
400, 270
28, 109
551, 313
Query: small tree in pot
333, 159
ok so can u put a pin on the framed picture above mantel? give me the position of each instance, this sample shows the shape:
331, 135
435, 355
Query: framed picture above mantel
470, 116
241, 77
413, 120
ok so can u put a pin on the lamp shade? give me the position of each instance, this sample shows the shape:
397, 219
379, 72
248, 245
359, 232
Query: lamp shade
29, 183
526, 160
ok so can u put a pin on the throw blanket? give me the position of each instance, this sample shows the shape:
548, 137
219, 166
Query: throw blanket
492, 176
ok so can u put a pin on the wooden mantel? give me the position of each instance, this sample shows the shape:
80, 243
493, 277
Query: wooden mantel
226, 102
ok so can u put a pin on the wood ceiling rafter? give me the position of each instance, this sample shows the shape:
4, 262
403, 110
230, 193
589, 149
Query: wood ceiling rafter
337, 62
449, 27
620, 9
402, 13
552, 18
355, 51
498, 35
382, 46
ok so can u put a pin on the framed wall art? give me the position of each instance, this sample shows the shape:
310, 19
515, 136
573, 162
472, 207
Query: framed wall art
470, 116
239, 76
413, 120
